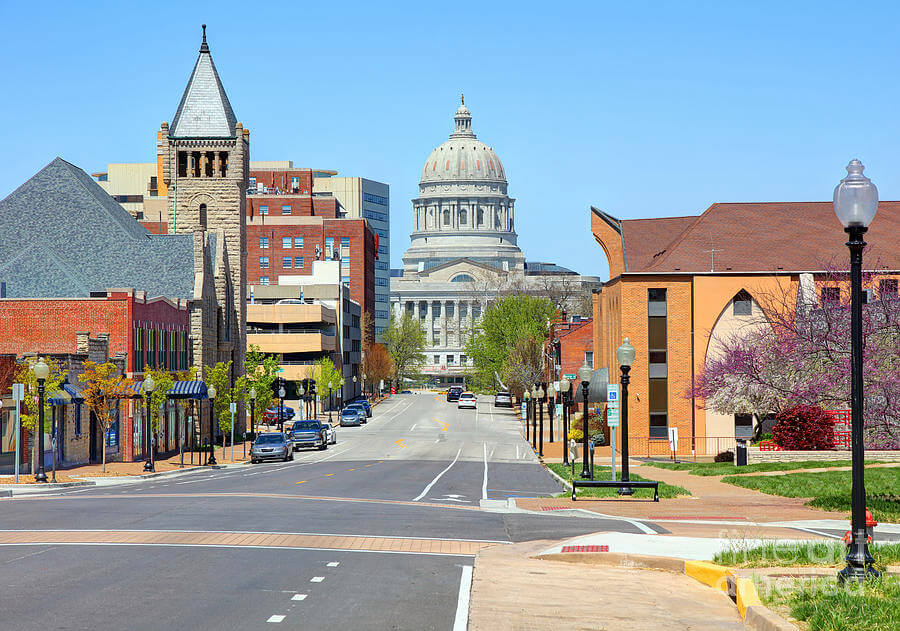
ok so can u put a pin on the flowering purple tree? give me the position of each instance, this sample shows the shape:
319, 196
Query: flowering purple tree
798, 353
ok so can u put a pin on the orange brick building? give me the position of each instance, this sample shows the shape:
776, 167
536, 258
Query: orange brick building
677, 283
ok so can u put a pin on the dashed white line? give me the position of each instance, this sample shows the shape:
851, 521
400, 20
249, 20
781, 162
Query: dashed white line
437, 477
334, 563
279, 619
413, 427
317, 579
299, 597
484, 483
461, 622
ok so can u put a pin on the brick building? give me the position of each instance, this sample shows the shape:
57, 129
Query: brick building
677, 284
574, 342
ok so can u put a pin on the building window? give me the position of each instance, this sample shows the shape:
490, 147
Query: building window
345, 263
656, 302
78, 419
298, 242
202, 213
345, 242
887, 288
286, 209
264, 210
286, 243
345, 280
447, 217
743, 425
298, 261
463, 217
295, 188
743, 304
264, 262
831, 294
264, 243
263, 280
462, 278
329, 247
463, 360
659, 406
589, 358
657, 343
437, 359
451, 359
480, 216
251, 188
286, 262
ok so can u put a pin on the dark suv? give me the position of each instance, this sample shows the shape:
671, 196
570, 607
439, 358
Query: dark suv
454, 392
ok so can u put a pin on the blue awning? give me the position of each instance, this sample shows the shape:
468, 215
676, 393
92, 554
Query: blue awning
180, 390
69, 394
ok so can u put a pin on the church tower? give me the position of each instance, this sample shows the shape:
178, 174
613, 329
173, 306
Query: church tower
205, 156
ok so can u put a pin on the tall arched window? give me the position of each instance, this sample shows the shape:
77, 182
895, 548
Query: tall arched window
480, 217
742, 303
446, 216
463, 217
462, 278
203, 216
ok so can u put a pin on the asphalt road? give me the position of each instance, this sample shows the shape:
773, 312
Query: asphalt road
342, 538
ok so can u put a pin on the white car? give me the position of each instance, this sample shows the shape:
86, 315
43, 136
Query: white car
330, 434
467, 400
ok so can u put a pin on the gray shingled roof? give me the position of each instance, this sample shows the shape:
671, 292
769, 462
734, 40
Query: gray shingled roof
204, 111
61, 235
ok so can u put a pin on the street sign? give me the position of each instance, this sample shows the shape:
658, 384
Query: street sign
612, 417
18, 392
559, 411
673, 439
612, 393
568, 376
233, 407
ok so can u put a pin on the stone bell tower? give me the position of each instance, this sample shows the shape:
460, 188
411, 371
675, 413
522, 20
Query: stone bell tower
205, 156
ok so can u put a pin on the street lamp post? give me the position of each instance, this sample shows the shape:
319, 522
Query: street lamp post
625, 357
540, 402
211, 393
855, 204
354, 385
526, 396
584, 374
253, 413
551, 407
281, 394
41, 372
365, 394
564, 390
149, 387
534, 403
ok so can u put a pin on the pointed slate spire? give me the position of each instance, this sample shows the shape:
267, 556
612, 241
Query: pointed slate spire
204, 110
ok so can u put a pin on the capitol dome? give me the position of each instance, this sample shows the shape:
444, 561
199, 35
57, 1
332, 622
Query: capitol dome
463, 158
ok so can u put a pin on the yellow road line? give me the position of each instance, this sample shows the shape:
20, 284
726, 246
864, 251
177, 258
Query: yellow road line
328, 474
301, 481
445, 425
351, 469
400, 443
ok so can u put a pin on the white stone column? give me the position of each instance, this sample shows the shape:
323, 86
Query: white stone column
429, 326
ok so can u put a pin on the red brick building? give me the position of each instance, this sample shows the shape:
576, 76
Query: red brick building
574, 345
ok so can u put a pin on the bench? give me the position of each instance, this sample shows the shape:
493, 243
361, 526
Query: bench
643, 484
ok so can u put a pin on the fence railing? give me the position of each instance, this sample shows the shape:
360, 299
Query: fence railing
645, 446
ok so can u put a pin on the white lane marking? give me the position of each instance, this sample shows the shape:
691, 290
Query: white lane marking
517, 452
437, 477
484, 483
299, 597
413, 427
275, 618
334, 563
461, 622
317, 579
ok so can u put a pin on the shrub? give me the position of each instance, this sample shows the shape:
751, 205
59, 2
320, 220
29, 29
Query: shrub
803, 427
576, 435
724, 456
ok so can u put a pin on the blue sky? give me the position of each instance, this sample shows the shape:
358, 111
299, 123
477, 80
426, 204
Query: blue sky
642, 109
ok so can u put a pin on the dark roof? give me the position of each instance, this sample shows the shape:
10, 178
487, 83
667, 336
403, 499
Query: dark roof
204, 110
536, 267
755, 237
62, 235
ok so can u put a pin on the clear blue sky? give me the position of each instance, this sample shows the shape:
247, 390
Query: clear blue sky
641, 109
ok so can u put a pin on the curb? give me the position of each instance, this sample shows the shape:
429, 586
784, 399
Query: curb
5, 493
566, 485
49, 486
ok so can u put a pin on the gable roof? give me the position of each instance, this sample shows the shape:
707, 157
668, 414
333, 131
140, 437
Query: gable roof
754, 237
204, 110
61, 235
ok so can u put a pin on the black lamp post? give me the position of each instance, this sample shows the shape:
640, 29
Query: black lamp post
564, 386
211, 393
625, 357
281, 394
540, 404
41, 372
526, 397
551, 407
253, 413
149, 387
855, 204
534, 417
584, 374
365, 394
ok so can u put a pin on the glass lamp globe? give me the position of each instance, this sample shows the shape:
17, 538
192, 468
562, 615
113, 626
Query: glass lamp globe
585, 372
211, 392
625, 353
564, 386
149, 384
551, 391
855, 198
527, 395
253, 393
41, 370
540, 392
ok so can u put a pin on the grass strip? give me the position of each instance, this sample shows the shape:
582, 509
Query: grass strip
604, 473
727, 468
802, 554
830, 490
826, 606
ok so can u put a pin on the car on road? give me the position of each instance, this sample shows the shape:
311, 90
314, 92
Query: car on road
271, 415
350, 416
467, 400
271, 446
406, 392
453, 393
330, 433
503, 399
359, 408
308, 434
363, 402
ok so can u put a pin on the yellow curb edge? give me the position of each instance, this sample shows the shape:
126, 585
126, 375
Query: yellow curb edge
716, 576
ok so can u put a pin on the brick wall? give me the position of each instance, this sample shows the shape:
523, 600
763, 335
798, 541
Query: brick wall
281, 179
301, 206
573, 343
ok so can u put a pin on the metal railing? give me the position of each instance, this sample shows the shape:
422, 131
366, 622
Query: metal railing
687, 446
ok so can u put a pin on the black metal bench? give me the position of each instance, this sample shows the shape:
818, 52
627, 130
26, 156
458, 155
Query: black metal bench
643, 484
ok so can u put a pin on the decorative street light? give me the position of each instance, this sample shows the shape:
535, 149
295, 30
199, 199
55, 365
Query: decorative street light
584, 374
354, 385
855, 204
149, 387
564, 390
540, 402
253, 413
534, 404
551, 397
211, 393
281, 394
625, 357
41, 372
364, 384
526, 396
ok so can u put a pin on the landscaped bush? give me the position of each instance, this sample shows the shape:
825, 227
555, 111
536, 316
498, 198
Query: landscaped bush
725, 456
803, 427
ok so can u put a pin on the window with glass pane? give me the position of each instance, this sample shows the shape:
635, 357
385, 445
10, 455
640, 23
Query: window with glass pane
264, 280
298, 261
742, 304
589, 358
286, 209
656, 302
659, 407
286, 242
345, 262
345, 242
264, 262
329, 247
286, 262
263, 210
298, 242
264, 243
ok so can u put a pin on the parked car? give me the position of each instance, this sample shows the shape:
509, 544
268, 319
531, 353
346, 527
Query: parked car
271, 415
406, 392
271, 446
467, 400
454, 392
363, 402
503, 399
359, 408
308, 434
330, 433
350, 416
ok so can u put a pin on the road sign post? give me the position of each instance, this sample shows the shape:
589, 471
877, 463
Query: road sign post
18, 393
612, 420
233, 408
673, 442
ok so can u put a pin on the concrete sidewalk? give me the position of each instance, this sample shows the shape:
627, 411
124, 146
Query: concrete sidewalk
513, 591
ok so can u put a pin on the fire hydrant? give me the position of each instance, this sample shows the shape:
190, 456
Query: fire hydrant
870, 529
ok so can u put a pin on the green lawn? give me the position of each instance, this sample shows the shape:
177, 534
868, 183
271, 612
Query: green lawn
826, 606
803, 554
726, 468
830, 490
603, 473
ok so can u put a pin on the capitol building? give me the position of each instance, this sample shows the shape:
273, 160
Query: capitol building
463, 251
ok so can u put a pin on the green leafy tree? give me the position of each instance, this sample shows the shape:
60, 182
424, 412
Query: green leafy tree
164, 381
219, 376
328, 378
25, 376
104, 389
404, 339
508, 321
261, 371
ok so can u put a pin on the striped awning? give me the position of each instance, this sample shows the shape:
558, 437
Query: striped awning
69, 394
180, 390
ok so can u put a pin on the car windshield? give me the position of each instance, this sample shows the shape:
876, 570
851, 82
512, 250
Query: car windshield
269, 439
309, 426
467, 396
349, 412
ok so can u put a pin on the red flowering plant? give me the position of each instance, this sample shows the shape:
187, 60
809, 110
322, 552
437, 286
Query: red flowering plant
803, 427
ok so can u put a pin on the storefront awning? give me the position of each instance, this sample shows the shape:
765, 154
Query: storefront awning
69, 394
180, 390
